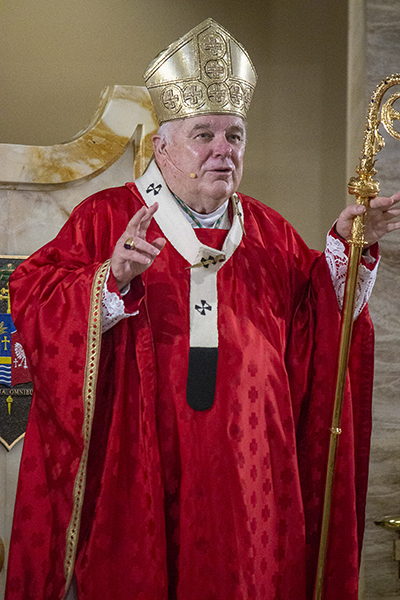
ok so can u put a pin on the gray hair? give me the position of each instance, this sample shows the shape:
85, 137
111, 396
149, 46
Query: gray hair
166, 129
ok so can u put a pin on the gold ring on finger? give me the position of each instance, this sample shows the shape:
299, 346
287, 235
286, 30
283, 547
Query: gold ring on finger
129, 244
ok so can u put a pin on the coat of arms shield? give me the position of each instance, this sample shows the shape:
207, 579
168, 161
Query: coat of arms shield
15, 378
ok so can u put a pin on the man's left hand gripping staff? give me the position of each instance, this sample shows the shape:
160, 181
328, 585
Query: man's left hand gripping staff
133, 254
378, 222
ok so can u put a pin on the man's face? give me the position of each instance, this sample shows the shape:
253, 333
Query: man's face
201, 159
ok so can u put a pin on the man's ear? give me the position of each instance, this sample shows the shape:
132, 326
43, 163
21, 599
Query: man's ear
160, 149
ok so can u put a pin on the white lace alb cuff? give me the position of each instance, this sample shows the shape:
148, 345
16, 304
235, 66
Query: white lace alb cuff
338, 262
112, 307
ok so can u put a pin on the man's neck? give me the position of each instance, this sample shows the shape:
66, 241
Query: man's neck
207, 220
203, 206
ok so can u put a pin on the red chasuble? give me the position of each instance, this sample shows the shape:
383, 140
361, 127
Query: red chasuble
139, 495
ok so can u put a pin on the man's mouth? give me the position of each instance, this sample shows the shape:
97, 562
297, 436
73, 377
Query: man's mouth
222, 170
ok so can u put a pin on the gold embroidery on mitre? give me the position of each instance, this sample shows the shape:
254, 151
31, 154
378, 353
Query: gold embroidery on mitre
206, 71
89, 398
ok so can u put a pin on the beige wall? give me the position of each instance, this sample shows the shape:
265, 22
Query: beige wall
57, 55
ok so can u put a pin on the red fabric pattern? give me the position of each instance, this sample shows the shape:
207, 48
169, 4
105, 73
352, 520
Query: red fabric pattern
223, 504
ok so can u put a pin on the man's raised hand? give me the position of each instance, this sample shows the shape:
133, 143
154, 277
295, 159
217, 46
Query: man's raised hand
126, 264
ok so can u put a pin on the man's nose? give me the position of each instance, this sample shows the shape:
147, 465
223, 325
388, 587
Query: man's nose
222, 147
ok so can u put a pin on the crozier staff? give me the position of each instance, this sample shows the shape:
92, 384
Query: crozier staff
176, 449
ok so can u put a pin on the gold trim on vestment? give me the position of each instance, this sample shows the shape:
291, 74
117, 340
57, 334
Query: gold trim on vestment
88, 396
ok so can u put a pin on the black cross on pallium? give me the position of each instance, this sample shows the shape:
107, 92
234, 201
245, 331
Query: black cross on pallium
202, 309
208, 261
154, 189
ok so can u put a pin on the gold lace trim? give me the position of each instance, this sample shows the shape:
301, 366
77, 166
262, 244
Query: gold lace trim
88, 395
